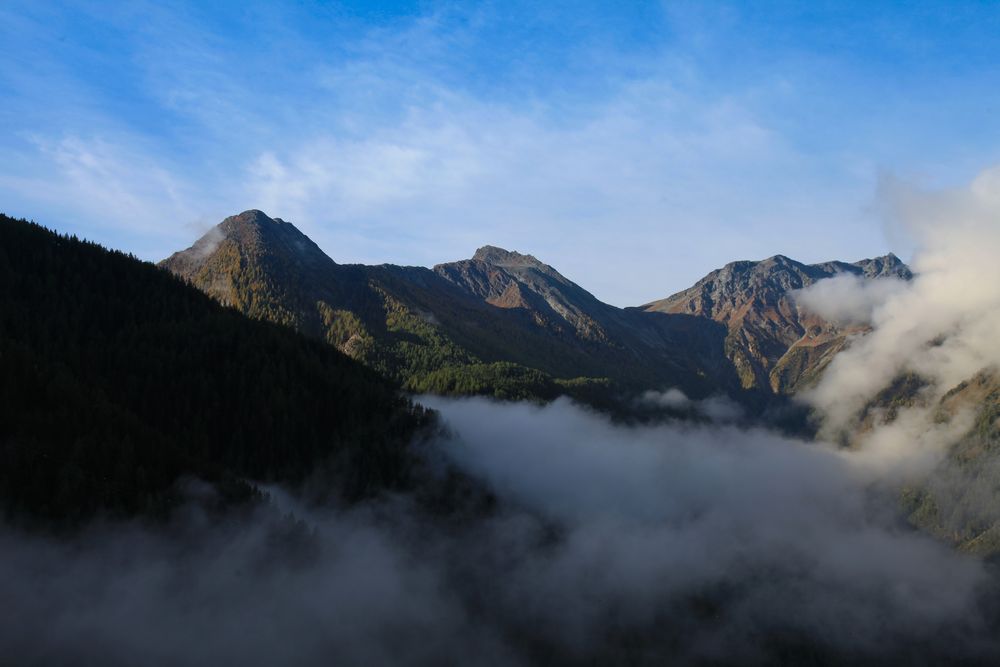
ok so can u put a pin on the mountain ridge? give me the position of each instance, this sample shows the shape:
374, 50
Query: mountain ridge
771, 341
728, 333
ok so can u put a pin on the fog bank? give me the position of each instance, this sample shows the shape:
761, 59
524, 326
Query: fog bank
672, 543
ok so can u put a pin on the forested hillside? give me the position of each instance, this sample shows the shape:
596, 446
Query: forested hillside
117, 379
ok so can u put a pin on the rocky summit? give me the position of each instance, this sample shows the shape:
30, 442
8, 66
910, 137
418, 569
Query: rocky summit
770, 340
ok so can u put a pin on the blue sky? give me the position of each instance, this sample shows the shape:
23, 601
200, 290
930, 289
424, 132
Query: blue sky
635, 146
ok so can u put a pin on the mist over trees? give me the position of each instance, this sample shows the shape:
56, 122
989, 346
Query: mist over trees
607, 544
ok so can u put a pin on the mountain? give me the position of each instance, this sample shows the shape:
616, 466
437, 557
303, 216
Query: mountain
772, 343
119, 381
958, 501
508, 324
269, 270
507, 279
500, 323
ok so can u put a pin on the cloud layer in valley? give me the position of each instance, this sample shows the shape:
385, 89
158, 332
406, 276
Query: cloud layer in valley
610, 542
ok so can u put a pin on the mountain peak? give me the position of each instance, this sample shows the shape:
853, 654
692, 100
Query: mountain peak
495, 256
253, 218
252, 215
886, 265
252, 235
253, 227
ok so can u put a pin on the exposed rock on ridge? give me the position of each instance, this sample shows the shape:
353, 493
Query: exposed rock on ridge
772, 342
509, 279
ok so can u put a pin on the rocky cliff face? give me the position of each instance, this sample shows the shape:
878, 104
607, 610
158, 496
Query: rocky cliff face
507, 279
772, 343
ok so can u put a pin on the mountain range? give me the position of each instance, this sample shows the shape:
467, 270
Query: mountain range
510, 325
128, 393
104, 355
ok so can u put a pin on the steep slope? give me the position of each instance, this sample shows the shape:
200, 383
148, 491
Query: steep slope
500, 323
118, 380
508, 279
625, 344
270, 270
959, 500
773, 344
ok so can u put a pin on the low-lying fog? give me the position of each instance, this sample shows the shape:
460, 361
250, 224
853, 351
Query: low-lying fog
639, 544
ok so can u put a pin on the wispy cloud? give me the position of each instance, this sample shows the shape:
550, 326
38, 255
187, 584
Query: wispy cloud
651, 160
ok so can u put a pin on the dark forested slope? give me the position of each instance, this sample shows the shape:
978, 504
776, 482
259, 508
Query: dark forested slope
116, 379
